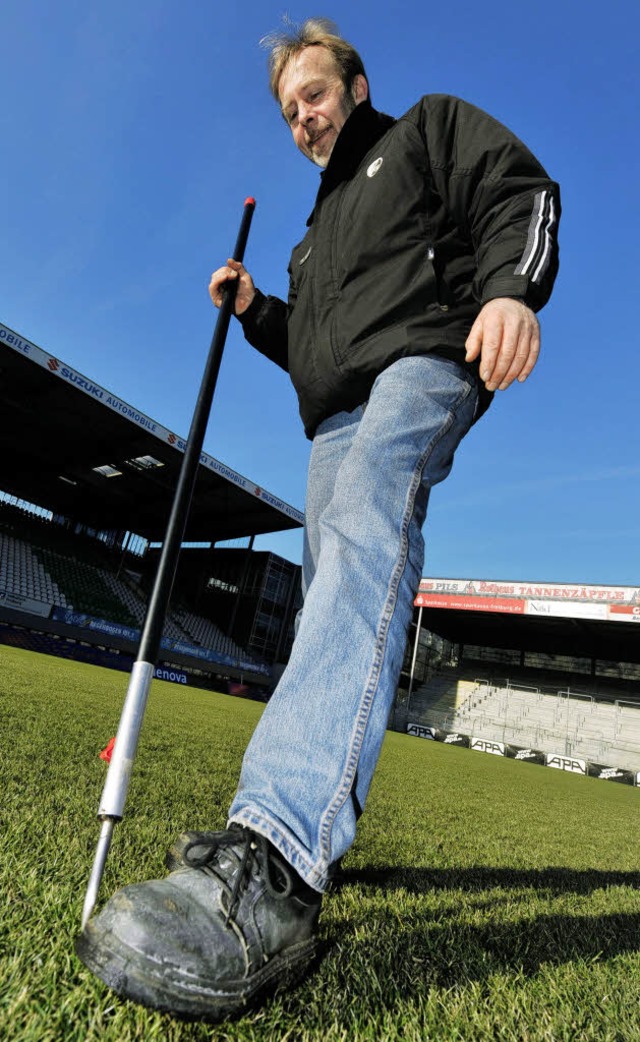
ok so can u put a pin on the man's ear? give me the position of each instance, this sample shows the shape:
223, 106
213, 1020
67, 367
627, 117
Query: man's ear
359, 89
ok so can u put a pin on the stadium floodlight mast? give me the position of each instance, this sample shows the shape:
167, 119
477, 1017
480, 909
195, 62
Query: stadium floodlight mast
114, 794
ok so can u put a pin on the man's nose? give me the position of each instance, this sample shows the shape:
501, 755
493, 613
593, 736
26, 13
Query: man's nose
305, 115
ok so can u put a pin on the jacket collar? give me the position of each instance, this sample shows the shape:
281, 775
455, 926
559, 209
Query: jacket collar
364, 126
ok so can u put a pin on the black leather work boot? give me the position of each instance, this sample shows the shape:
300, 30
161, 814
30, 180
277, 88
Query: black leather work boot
187, 848
211, 939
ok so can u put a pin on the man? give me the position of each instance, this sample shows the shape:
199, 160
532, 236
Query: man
412, 297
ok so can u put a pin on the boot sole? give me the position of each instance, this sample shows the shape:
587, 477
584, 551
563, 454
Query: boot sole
162, 985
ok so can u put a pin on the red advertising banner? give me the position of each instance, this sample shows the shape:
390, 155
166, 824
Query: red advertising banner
511, 605
540, 591
599, 603
626, 612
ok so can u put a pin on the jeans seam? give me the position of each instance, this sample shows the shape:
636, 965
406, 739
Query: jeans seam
386, 615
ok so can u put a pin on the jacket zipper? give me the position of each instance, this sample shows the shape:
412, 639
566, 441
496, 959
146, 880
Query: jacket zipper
333, 274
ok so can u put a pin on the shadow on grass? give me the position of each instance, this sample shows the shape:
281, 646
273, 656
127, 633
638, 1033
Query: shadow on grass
479, 877
409, 950
451, 954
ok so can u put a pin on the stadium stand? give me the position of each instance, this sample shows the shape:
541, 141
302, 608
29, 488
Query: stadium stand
87, 486
50, 566
21, 573
605, 729
205, 633
547, 670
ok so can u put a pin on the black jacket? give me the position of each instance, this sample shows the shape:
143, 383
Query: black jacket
418, 222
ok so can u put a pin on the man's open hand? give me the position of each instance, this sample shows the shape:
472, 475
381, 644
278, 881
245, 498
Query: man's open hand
506, 338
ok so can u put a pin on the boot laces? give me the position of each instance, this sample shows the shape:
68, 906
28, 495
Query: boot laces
243, 848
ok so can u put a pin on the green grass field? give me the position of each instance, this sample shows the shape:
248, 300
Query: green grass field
484, 898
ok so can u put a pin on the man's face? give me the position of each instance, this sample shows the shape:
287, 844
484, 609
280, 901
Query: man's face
314, 102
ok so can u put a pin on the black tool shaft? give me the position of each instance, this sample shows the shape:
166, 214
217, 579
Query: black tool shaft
161, 592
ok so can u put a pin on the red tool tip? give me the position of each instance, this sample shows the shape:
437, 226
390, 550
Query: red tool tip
249, 201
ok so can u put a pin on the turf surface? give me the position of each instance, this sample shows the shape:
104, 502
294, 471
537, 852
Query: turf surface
485, 899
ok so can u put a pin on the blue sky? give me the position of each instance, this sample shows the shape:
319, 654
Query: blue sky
131, 134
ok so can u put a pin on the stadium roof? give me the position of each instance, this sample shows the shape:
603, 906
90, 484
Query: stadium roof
72, 447
589, 621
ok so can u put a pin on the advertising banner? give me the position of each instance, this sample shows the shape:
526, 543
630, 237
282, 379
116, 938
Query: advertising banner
566, 763
421, 731
172, 675
625, 612
527, 590
516, 752
116, 629
26, 604
82, 621
486, 745
560, 600
183, 648
568, 609
458, 602
452, 738
435, 734
617, 774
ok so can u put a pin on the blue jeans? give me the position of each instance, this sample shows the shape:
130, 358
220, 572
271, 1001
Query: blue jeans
308, 767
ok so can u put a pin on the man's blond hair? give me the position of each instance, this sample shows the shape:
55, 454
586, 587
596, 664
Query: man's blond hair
314, 32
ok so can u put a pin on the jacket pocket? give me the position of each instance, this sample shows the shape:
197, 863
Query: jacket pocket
442, 295
299, 266
370, 356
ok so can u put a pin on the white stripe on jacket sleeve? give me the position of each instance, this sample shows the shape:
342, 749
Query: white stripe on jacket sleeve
537, 252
